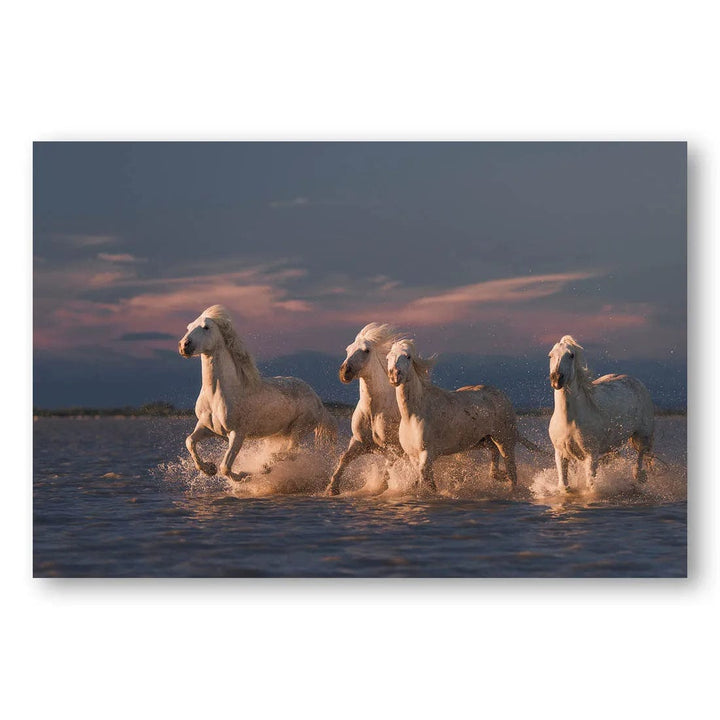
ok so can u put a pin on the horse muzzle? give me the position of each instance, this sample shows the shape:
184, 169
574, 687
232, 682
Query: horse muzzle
557, 380
346, 374
185, 348
394, 377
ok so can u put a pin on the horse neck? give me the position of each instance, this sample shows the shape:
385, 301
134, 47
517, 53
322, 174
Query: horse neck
219, 371
570, 400
409, 395
375, 386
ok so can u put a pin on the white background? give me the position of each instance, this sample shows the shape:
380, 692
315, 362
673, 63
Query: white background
372, 70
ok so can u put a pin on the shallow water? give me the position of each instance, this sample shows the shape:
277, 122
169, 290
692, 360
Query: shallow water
118, 497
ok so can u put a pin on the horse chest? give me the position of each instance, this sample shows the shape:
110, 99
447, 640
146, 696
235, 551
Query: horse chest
382, 430
411, 435
214, 415
570, 444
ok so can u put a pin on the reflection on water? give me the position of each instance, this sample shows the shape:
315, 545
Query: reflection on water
118, 497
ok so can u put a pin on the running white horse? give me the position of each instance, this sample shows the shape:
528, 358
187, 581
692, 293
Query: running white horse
376, 419
436, 422
236, 403
595, 417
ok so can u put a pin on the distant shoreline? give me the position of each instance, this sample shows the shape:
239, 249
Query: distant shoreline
160, 409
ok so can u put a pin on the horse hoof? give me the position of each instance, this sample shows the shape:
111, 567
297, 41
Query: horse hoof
209, 469
641, 477
332, 490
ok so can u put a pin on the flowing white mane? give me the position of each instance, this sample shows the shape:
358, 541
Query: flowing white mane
423, 366
582, 372
381, 335
244, 363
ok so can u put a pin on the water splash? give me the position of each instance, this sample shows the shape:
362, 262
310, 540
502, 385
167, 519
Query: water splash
464, 476
666, 482
305, 472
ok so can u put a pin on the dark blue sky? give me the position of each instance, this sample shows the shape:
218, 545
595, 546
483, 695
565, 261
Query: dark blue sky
479, 249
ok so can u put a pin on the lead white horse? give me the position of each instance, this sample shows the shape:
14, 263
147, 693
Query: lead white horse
236, 403
376, 419
435, 422
595, 417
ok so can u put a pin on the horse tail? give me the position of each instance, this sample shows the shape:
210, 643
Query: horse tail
326, 431
530, 445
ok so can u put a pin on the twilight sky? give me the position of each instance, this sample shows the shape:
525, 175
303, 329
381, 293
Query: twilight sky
477, 248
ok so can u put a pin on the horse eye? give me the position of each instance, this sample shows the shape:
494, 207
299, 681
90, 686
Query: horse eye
366, 350
572, 355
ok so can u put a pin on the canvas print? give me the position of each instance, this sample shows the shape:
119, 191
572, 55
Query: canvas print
359, 359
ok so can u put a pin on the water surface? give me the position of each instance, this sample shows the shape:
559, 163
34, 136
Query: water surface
118, 497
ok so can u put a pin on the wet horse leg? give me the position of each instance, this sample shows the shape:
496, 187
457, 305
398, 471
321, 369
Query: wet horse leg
427, 477
355, 450
235, 441
507, 450
199, 433
562, 463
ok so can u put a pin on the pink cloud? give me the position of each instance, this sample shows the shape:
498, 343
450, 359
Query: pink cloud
120, 258
106, 279
488, 317
459, 302
255, 298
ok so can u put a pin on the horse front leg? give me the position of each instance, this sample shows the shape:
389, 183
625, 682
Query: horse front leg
355, 450
235, 441
390, 459
562, 463
591, 466
200, 432
639, 475
427, 476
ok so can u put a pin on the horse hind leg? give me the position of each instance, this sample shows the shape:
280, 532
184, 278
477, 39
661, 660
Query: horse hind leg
643, 446
495, 472
289, 451
507, 450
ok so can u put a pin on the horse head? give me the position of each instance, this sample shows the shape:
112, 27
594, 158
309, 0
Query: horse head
400, 362
565, 359
373, 338
358, 356
202, 337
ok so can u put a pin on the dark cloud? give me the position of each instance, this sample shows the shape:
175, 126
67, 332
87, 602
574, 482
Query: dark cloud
306, 242
139, 336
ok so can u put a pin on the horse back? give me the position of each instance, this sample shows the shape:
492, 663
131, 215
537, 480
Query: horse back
621, 385
479, 401
291, 386
623, 396
488, 395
